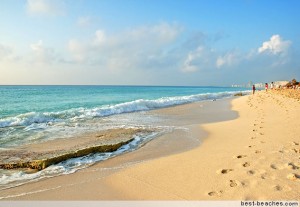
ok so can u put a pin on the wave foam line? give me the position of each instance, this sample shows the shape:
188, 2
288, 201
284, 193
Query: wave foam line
30, 118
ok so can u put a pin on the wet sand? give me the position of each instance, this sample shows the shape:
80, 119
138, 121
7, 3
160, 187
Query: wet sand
186, 136
248, 153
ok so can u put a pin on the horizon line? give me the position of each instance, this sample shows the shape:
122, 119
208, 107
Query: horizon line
116, 85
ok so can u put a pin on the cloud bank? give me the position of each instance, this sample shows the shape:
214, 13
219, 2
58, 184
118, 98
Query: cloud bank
165, 53
42, 54
45, 7
131, 48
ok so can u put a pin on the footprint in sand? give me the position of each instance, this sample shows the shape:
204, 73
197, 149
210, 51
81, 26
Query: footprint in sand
246, 164
291, 166
296, 150
277, 188
240, 156
245, 183
264, 176
267, 176
257, 151
251, 172
293, 176
215, 193
233, 183
262, 142
274, 167
295, 143
224, 171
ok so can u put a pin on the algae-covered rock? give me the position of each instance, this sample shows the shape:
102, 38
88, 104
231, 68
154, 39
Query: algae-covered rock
238, 94
39, 156
42, 164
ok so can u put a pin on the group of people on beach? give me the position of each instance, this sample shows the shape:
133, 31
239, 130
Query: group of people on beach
266, 87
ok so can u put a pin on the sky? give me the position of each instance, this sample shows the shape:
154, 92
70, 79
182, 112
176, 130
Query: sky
148, 42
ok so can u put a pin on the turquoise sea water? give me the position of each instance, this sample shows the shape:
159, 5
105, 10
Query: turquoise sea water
27, 111
30, 114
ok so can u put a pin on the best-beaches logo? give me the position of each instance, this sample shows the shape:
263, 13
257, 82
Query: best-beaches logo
270, 203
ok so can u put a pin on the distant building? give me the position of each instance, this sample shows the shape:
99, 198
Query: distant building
237, 86
260, 85
280, 83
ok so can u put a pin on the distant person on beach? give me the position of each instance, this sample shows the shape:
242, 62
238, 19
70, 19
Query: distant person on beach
266, 87
253, 89
272, 85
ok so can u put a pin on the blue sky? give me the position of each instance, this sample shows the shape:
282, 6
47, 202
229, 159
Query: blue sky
149, 42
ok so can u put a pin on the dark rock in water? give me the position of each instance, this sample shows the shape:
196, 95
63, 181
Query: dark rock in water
238, 94
39, 156
43, 163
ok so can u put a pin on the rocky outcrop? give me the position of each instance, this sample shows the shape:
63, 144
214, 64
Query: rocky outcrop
42, 164
39, 156
238, 94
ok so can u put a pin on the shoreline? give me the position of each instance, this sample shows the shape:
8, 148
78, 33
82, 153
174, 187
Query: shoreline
244, 156
165, 145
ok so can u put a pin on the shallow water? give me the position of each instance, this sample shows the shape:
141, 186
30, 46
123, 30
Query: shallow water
33, 114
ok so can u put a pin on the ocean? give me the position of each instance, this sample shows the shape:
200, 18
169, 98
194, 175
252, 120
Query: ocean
33, 114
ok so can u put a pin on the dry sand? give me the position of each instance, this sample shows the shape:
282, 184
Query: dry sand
256, 156
253, 157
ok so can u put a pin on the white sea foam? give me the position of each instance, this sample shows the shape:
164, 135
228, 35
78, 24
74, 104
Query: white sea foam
28, 119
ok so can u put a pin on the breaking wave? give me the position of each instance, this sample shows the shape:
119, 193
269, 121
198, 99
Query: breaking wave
49, 118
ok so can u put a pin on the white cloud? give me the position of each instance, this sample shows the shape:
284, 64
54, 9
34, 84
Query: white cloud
229, 59
188, 64
79, 50
45, 7
100, 37
275, 45
192, 59
75, 46
161, 33
43, 54
200, 59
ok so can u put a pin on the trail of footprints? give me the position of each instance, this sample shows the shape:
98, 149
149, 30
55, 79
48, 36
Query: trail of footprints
258, 126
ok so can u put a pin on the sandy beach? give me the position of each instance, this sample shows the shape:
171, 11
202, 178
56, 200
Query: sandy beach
245, 148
